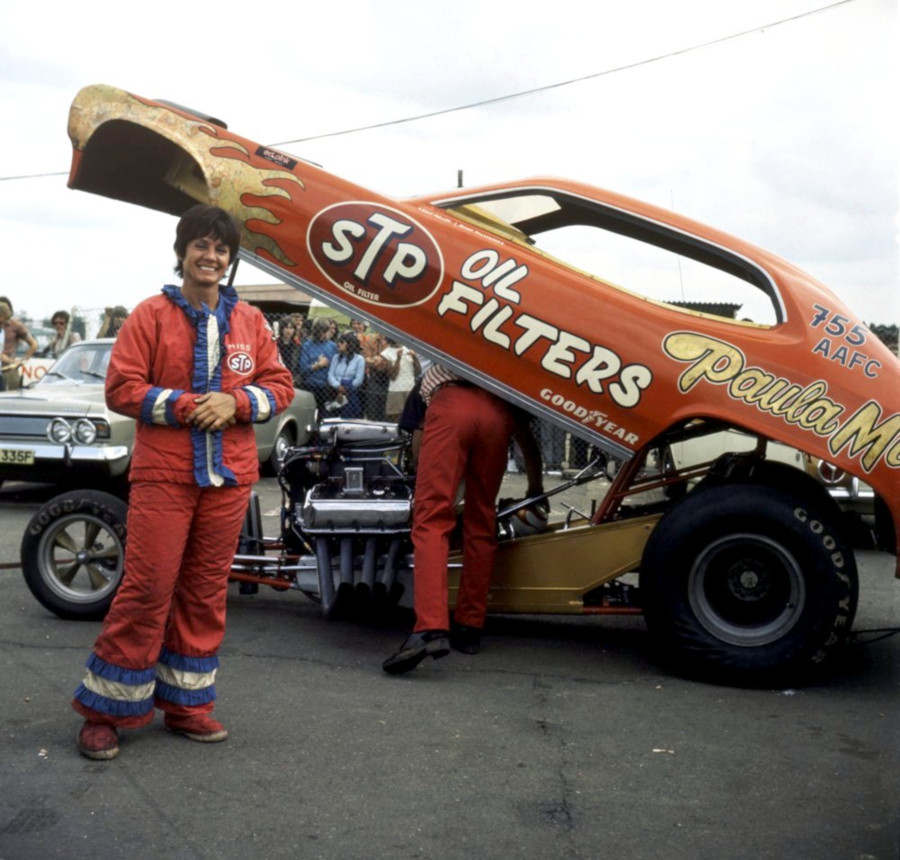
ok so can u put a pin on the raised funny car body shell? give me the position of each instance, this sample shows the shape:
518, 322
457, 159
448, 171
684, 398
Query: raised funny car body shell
603, 362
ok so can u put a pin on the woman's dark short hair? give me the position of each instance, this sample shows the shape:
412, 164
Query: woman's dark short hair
62, 316
352, 341
201, 221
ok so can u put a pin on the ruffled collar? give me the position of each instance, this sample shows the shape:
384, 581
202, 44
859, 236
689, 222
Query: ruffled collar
228, 298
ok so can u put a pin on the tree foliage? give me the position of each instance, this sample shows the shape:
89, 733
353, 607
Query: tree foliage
886, 333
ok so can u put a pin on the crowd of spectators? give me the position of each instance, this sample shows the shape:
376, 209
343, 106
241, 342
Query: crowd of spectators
352, 373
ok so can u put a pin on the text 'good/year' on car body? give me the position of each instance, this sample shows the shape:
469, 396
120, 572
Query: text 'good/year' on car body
745, 568
60, 430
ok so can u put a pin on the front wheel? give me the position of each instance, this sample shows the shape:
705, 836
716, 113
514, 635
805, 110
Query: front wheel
284, 441
748, 583
73, 553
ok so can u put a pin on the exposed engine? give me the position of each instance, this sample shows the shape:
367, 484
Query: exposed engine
346, 520
349, 503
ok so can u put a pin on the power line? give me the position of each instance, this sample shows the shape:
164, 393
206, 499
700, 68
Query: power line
34, 176
570, 82
547, 87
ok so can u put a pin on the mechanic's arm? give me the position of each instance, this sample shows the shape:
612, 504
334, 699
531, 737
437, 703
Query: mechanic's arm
531, 454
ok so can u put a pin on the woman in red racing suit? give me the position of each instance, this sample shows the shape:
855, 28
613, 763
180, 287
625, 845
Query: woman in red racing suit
196, 368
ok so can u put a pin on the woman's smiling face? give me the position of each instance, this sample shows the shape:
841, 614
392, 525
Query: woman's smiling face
205, 262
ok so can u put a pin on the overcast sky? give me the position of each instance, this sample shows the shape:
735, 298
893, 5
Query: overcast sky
785, 136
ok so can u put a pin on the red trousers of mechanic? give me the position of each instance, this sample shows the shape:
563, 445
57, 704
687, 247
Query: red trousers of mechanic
467, 433
160, 638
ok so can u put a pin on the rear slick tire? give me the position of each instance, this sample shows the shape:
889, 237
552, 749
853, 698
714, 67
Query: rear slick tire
748, 584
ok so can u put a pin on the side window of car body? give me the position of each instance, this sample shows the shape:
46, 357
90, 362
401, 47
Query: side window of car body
640, 257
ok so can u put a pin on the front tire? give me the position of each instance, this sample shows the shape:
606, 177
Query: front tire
284, 441
73, 553
748, 583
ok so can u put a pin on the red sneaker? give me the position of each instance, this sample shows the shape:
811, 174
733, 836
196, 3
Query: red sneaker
98, 741
197, 727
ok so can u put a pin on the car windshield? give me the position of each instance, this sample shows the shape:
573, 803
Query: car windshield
627, 252
84, 364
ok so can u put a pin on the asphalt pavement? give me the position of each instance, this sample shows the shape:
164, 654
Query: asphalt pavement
561, 739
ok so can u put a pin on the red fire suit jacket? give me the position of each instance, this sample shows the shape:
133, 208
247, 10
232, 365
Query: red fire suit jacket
168, 353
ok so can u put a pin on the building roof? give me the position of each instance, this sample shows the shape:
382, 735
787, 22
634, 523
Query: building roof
274, 298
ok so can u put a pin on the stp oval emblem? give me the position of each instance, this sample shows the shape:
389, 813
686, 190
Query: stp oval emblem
240, 363
376, 254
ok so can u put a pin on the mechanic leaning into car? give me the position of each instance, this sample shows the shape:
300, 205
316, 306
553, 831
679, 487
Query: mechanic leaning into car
195, 367
466, 438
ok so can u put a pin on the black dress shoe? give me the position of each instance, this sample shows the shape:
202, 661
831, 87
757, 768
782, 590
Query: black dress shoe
418, 646
465, 638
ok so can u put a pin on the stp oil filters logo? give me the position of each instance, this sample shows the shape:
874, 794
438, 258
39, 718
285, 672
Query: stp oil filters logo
376, 254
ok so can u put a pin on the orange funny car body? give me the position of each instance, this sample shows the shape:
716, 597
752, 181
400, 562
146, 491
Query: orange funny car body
743, 561
472, 290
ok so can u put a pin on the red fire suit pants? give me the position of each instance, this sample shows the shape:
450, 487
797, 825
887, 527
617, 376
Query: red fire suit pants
467, 433
159, 640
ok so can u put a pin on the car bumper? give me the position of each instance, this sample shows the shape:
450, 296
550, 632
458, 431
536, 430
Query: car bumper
58, 462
